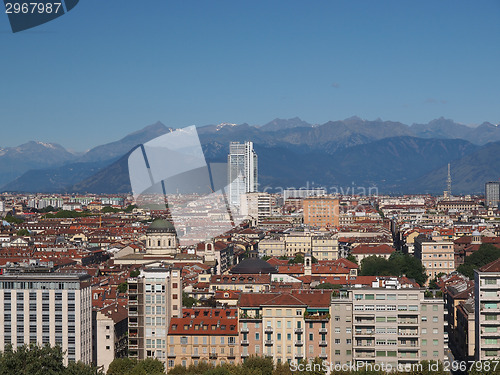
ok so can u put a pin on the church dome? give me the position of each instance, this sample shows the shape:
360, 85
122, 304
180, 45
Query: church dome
161, 226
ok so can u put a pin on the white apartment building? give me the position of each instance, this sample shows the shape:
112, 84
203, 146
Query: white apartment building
386, 324
487, 311
47, 308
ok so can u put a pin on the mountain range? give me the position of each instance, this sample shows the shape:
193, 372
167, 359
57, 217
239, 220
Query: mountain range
391, 156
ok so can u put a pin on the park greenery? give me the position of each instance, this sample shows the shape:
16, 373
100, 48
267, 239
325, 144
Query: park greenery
40, 360
398, 264
487, 253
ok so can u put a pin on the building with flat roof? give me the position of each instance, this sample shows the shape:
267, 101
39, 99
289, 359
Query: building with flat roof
154, 297
44, 307
321, 212
487, 311
492, 194
387, 324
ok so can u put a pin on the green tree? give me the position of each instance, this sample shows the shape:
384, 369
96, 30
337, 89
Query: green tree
149, 366
123, 287
188, 301
298, 259
80, 368
121, 366
327, 286
487, 253
352, 258
264, 364
13, 219
23, 232
135, 273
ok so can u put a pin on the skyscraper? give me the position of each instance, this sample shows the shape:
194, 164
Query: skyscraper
242, 170
492, 194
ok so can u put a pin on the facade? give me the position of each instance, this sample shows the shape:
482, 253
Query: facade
487, 311
286, 326
155, 296
321, 212
465, 333
44, 307
256, 205
303, 193
492, 194
436, 254
386, 324
204, 335
110, 335
242, 171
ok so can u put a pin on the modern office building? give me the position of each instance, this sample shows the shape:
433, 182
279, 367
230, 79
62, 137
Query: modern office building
321, 212
492, 194
155, 296
43, 307
387, 323
242, 171
487, 311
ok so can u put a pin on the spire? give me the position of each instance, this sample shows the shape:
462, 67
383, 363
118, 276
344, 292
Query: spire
448, 180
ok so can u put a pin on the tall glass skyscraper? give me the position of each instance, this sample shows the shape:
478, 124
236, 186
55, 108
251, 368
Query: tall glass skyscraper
492, 194
242, 171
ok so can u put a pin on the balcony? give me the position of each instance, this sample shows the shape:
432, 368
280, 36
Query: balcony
244, 330
244, 342
133, 324
299, 343
323, 355
132, 347
268, 330
360, 355
245, 317
245, 354
132, 313
213, 356
323, 343
171, 355
323, 330
133, 302
364, 333
299, 330
268, 342
317, 318
408, 322
195, 355
407, 333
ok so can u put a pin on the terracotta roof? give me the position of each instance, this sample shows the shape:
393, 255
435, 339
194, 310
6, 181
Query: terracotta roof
491, 267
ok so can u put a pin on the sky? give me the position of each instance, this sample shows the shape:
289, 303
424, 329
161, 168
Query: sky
110, 67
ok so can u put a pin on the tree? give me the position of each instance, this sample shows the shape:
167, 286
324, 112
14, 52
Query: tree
298, 259
23, 232
13, 219
433, 282
398, 264
121, 366
123, 287
264, 364
188, 301
487, 253
80, 368
352, 258
135, 273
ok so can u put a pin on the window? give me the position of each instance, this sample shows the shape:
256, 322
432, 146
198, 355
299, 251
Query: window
311, 337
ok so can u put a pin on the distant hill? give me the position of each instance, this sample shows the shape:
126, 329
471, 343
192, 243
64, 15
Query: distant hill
14, 161
395, 157
469, 174
386, 163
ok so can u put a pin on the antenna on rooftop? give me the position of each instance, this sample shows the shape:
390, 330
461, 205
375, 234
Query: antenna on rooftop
447, 192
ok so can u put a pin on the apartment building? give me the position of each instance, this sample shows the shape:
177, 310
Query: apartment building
322, 245
321, 212
43, 307
109, 335
204, 335
436, 254
387, 324
154, 297
465, 332
487, 311
256, 205
285, 326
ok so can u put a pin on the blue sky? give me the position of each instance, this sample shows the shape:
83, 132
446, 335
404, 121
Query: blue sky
110, 67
